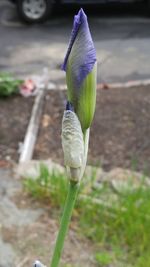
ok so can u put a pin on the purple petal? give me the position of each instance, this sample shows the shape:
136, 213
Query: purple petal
81, 54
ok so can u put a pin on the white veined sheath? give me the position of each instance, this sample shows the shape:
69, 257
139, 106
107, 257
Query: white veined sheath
72, 143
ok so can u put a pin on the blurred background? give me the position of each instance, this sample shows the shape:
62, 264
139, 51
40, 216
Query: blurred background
110, 226
120, 32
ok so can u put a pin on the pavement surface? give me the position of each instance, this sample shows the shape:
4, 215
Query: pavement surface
11, 216
121, 36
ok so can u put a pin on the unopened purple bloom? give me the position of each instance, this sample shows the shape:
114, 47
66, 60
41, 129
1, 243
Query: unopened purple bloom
81, 54
81, 68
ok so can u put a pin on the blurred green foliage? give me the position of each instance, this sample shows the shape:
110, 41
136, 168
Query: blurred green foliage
8, 85
118, 223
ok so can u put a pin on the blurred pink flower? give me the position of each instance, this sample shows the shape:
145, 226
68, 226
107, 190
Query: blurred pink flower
27, 88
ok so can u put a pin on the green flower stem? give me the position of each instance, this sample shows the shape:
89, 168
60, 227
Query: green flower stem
70, 201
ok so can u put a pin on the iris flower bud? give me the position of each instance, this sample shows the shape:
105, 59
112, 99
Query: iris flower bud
73, 144
81, 70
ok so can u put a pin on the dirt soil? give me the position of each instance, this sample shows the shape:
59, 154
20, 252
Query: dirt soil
120, 133
14, 116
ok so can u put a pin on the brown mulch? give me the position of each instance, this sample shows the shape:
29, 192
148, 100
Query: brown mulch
120, 134
14, 116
